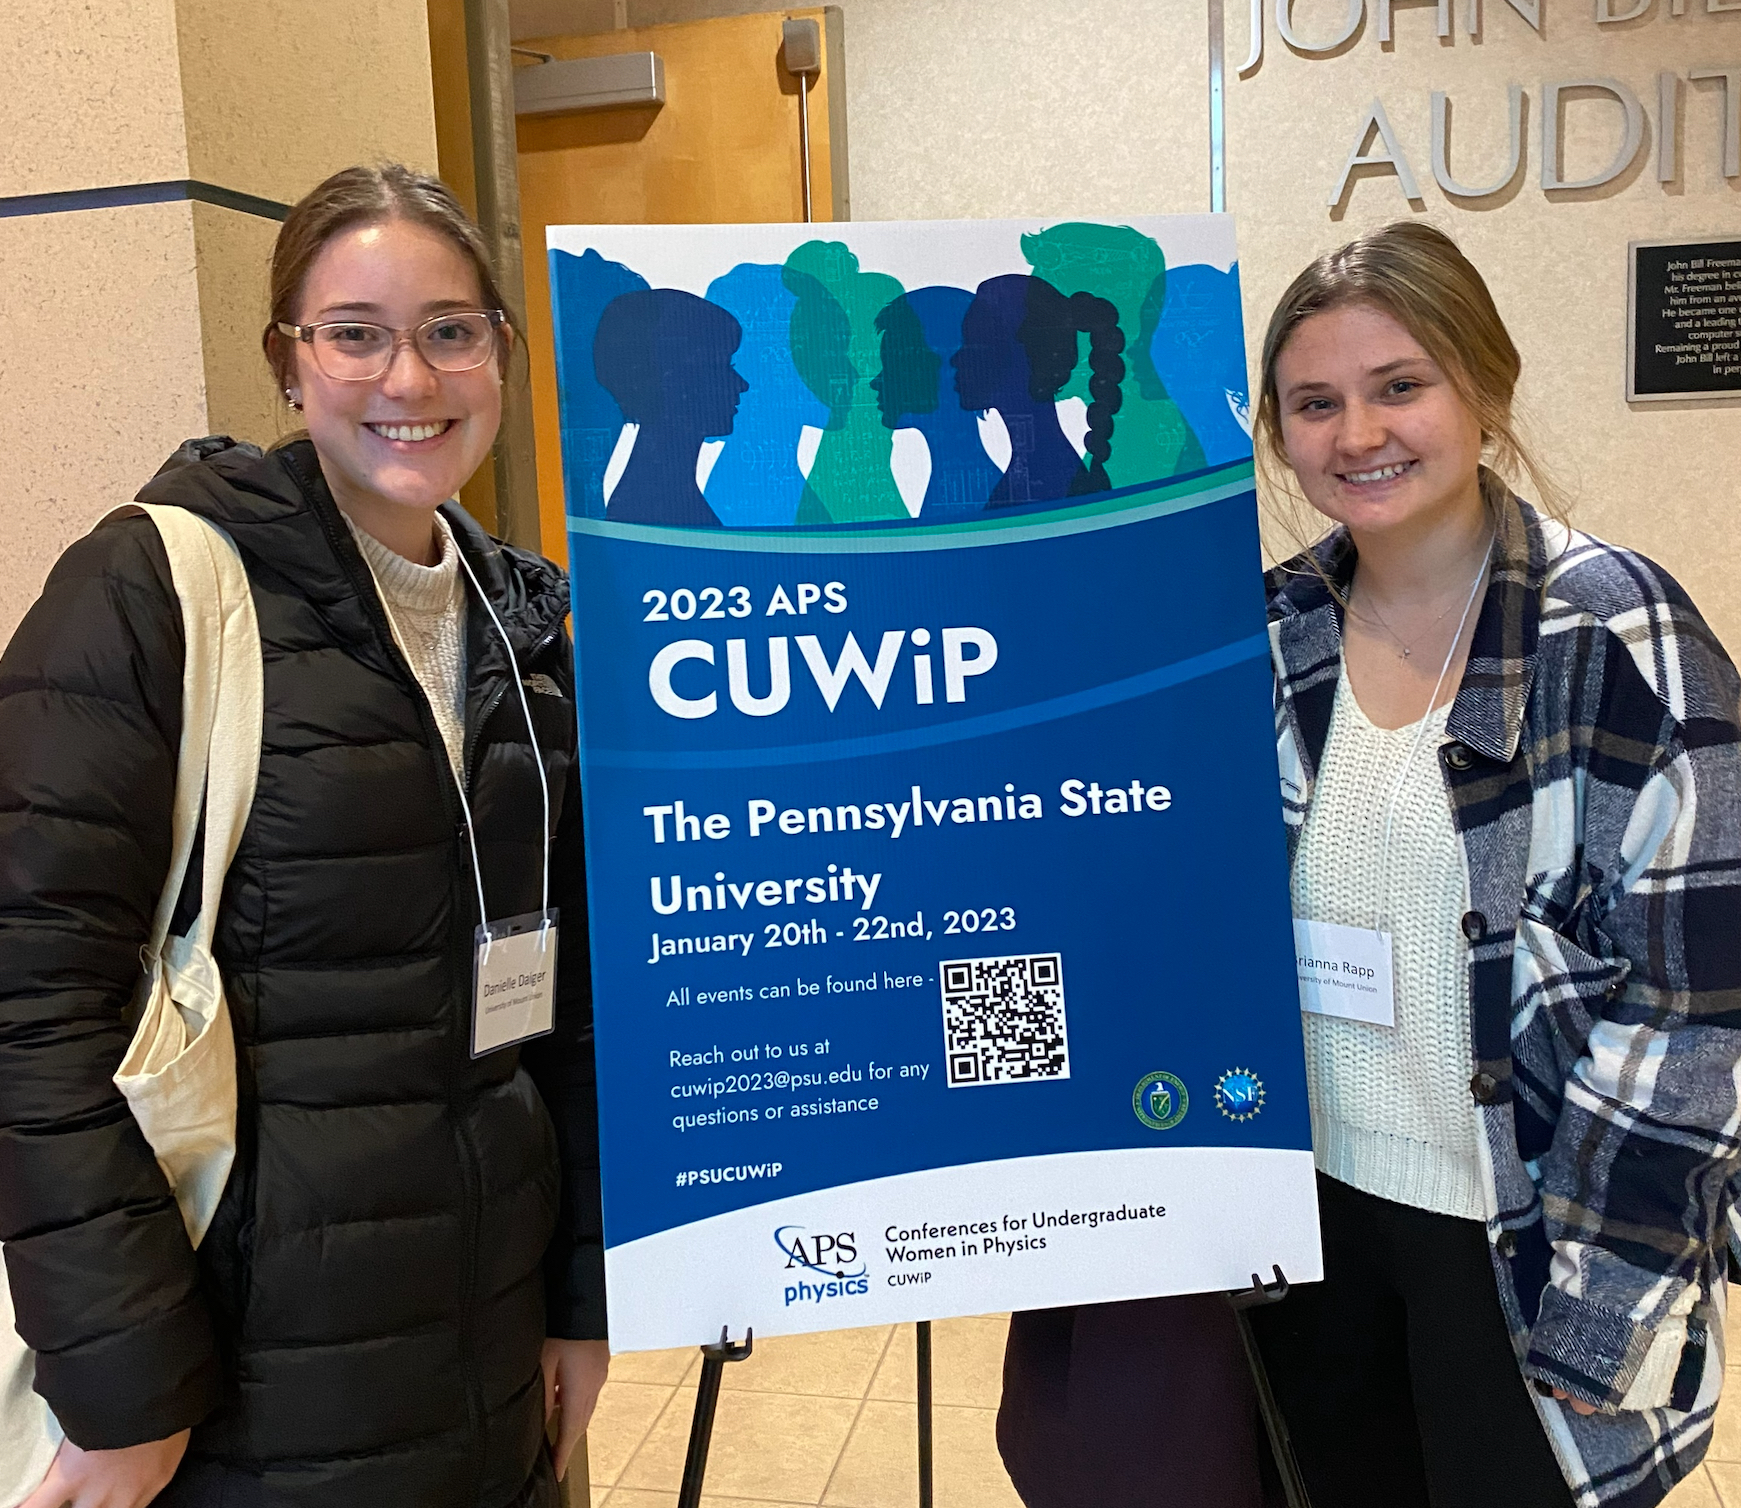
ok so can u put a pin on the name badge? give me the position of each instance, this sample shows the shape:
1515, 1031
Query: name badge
513, 981
1345, 971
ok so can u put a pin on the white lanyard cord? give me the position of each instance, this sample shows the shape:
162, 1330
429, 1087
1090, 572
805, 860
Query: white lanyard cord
1421, 734
537, 755
459, 775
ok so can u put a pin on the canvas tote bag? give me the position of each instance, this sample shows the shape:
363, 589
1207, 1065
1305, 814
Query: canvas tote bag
179, 1073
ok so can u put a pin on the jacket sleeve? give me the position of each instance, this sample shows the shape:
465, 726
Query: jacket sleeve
1635, 1187
561, 1065
102, 1275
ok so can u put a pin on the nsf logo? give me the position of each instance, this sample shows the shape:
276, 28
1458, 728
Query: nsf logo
831, 1260
1160, 1101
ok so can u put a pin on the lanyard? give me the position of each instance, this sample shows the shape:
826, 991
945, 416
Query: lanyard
460, 775
1420, 737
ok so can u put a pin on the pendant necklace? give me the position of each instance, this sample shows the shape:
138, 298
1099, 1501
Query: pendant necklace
1405, 649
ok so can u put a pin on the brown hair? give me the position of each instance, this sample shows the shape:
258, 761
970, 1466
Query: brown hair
1421, 279
367, 196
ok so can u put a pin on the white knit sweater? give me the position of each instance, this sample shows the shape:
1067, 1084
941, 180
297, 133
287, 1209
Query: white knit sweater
1391, 1109
426, 605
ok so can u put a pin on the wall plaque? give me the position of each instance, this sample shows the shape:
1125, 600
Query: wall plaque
1685, 303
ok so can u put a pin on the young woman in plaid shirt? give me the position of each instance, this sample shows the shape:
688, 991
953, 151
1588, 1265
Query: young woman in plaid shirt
1512, 750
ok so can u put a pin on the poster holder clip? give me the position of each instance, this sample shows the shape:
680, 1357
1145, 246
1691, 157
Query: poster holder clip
1260, 1296
713, 1362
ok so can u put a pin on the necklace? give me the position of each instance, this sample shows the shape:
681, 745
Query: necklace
1405, 647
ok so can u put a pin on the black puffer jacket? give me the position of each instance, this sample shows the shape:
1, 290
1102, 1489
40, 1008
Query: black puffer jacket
362, 1324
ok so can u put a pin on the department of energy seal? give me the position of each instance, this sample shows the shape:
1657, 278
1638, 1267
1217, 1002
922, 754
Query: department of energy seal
1160, 1101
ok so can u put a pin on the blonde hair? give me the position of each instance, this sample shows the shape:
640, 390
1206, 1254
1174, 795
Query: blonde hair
1421, 279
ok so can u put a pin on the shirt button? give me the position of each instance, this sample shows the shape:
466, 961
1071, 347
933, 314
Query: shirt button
1457, 756
1485, 1088
1506, 1245
1474, 926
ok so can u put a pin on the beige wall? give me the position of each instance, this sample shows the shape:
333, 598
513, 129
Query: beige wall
130, 329
1662, 479
1014, 107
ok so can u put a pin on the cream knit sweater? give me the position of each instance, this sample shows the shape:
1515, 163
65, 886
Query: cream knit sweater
426, 605
1391, 1110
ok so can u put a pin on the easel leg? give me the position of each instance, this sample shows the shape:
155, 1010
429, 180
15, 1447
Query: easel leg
1275, 1426
924, 1352
713, 1360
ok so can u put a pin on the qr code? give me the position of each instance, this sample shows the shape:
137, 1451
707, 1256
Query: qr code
1003, 1019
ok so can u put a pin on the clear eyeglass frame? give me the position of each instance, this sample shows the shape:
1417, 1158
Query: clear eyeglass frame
416, 336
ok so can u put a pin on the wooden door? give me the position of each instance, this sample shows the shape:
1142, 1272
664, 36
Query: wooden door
723, 147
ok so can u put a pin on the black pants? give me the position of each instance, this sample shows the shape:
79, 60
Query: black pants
1141, 1405
1396, 1374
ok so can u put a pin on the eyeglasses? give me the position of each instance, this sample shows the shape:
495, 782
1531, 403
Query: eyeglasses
349, 350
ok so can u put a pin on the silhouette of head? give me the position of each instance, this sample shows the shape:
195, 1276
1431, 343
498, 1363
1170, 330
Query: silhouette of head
580, 287
907, 383
1116, 262
835, 341
665, 356
1019, 346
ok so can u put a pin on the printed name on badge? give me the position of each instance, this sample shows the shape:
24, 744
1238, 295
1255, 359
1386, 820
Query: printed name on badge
1345, 971
513, 981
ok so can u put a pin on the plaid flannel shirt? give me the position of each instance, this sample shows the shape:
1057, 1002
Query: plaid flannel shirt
1593, 763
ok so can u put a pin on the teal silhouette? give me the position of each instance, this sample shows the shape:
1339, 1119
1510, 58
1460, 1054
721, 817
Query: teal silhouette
836, 349
921, 333
1129, 270
591, 419
756, 482
666, 357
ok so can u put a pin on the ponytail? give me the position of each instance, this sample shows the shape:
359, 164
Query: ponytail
1099, 319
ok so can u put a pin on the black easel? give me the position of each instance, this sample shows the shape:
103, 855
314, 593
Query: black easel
713, 1360
1258, 1296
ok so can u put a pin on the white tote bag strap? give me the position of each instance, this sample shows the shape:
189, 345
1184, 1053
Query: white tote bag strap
222, 696
179, 1073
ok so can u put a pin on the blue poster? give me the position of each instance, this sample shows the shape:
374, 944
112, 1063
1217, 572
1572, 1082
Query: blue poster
939, 911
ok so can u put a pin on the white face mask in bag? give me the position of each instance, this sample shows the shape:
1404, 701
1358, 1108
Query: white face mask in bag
179, 1073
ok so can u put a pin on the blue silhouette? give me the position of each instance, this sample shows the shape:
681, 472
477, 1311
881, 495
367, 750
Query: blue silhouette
666, 357
1018, 348
591, 420
1197, 352
756, 481
921, 331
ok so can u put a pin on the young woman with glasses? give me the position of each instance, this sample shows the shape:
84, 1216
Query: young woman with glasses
1511, 772
404, 1278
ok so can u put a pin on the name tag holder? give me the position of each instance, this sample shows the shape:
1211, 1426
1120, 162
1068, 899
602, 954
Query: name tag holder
513, 981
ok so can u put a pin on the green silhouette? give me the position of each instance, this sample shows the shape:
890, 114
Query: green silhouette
1128, 269
837, 350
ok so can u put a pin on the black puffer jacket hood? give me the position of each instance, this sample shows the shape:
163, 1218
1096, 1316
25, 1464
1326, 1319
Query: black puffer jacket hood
362, 1323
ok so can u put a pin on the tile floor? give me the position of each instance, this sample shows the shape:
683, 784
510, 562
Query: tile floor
829, 1420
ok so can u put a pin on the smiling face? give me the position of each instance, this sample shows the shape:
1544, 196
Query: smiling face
1374, 429
393, 449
